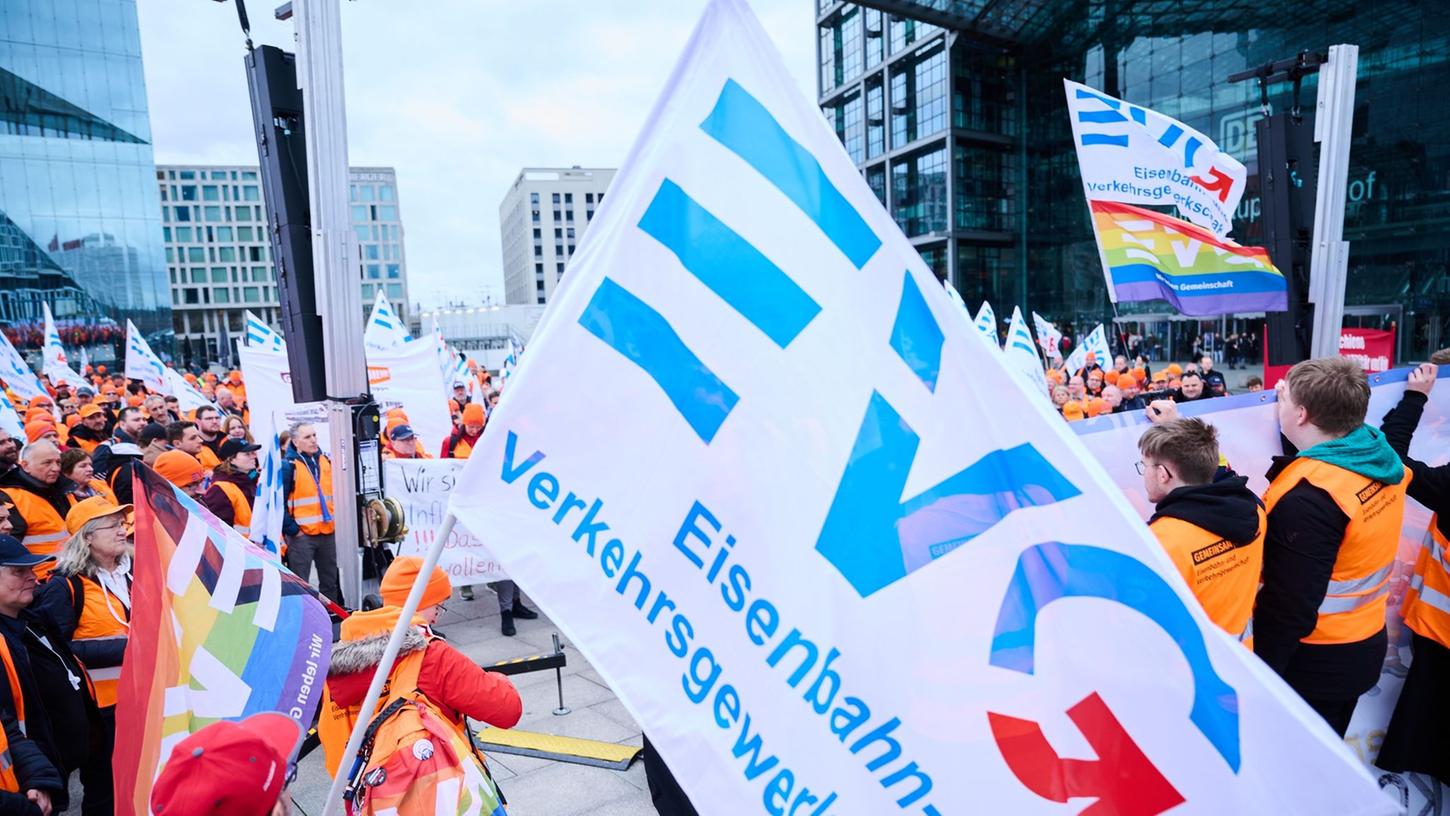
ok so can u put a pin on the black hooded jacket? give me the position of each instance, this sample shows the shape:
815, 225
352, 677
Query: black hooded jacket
1225, 507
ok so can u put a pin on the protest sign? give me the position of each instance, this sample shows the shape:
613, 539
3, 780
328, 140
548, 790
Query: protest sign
1248, 430
785, 492
423, 487
406, 376
1372, 349
220, 630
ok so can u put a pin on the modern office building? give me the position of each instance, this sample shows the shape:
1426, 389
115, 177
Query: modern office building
80, 225
955, 113
483, 332
219, 256
541, 220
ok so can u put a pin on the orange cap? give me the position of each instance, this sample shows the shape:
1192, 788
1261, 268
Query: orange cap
1054, 376
41, 401
72, 420
89, 509
1110, 377
1072, 410
135, 400
37, 429
179, 467
89, 409
1098, 406
1174, 369
107, 388
235, 377
473, 414
1138, 374
398, 582
397, 413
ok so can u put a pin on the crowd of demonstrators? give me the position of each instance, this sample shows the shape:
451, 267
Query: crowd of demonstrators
1093, 390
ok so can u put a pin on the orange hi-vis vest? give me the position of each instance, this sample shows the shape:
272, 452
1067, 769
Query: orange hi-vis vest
102, 617
86, 445
241, 511
1224, 576
335, 722
44, 528
8, 780
459, 450
306, 502
1354, 602
208, 459
1427, 603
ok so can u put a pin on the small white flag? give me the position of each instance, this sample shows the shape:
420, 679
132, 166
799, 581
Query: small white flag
54, 363
143, 364
385, 330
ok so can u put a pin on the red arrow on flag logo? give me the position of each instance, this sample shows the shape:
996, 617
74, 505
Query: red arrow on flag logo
1124, 780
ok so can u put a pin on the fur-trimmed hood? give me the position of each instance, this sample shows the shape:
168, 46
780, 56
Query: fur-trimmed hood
353, 656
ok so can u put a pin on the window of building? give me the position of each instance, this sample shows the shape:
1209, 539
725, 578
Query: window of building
851, 53
198, 275
388, 213
251, 294
853, 138
906, 32
190, 296
395, 290
223, 233
188, 192
370, 252
367, 291
876, 178
196, 254
555, 199
209, 192
259, 273
249, 175
256, 253
919, 192
360, 212
244, 233
374, 271
394, 271
982, 186
183, 235
219, 275
183, 214
385, 192
226, 254
223, 295
538, 251
364, 192
875, 39
170, 255
875, 119
251, 192
919, 99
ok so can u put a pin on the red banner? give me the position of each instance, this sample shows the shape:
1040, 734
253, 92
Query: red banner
1373, 349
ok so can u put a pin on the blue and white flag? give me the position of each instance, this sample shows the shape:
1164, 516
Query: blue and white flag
836, 469
270, 504
445, 357
17, 374
511, 362
260, 335
1021, 355
53, 360
385, 330
188, 398
987, 323
1096, 343
143, 364
10, 421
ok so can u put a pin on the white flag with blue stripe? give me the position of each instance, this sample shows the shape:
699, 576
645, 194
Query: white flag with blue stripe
143, 364
53, 360
1021, 353
261, 335
10, 418
385, 330
1048, 337
445, 357
987, 323
16, 373
188, 398
757, 455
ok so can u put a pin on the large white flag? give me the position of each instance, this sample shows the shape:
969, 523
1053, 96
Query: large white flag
1134, 155
407, 377
53, 361
1021, 353
744, 309
143, 364
384, 330
1048, 337
261, 335
16, 373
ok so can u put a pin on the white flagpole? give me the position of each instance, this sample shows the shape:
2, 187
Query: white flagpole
385, 666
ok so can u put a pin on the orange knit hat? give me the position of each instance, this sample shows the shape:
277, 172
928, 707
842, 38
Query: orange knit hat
179, 467
473, 414
37, 429
398, 582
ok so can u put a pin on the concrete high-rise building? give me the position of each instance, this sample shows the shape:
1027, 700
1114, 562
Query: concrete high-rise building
219, 256
540, 223
955, 114
80, 226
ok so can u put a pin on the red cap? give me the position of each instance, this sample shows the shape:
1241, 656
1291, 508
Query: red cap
228, 768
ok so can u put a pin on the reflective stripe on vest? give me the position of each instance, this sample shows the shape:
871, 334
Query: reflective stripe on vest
1355, 597
44, 527
1426, 607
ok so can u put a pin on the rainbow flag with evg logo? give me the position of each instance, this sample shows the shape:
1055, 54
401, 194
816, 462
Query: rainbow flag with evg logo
1150, 256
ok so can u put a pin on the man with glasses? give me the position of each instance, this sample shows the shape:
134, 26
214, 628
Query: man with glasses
1208, 521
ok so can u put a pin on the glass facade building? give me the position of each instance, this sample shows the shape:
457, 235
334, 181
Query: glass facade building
80, 223
955, 112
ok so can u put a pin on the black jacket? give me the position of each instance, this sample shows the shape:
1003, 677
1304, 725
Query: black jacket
32, 770
81, 431
58, 706
1306, 529
56, 495
1225, 507
1430, 485
105, 460
216, 499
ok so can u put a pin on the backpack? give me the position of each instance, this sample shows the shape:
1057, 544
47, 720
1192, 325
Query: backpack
414, 762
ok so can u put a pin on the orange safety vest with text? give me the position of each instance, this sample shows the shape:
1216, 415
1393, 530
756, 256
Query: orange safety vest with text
1224, 576
102, 617
241, 510
44, 528
1354, 602
1427, 603
308, 497
8, 780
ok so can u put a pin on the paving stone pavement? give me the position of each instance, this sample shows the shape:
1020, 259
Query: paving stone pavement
534, 787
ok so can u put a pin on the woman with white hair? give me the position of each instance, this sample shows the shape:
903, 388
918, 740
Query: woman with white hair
88, 599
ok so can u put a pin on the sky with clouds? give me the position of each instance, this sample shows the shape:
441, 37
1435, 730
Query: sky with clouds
457, 95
